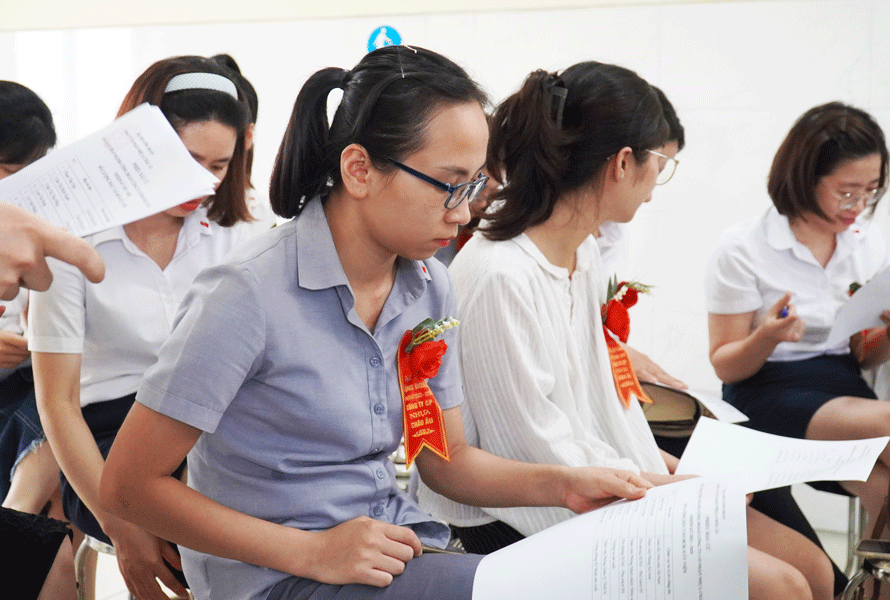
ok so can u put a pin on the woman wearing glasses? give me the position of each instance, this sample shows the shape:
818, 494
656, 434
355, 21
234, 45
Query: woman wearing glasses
578, 149
280, 380
775, 284
611, 239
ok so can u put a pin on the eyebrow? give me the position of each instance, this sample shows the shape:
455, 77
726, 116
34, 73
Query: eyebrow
197, 156
460, 171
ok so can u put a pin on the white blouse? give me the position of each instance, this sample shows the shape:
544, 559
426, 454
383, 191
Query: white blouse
537, 379
118, 325
757, 261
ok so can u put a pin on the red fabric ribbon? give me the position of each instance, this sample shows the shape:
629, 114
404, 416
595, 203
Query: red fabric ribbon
421, 413
617, 320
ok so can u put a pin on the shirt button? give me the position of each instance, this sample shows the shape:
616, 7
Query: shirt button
375, 361
379, 409
378, 510
381, 473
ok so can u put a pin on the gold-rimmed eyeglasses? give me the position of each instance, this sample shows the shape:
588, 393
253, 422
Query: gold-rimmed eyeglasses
667, 166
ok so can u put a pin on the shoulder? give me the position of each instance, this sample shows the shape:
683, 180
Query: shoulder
482, 261
268, 250
486, 271
744, 240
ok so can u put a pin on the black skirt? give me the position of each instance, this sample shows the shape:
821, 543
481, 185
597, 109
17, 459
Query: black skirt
782, 397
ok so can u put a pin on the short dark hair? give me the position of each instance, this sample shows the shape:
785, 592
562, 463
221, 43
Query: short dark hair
546, 150
26, 125
388, 100
228, 205
820, 141
677, 133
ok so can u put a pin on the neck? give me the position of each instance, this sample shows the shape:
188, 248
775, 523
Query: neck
157, 236
154, 226
812, 232
365, 263
559, 237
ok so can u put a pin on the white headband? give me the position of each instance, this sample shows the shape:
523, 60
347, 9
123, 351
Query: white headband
202, 81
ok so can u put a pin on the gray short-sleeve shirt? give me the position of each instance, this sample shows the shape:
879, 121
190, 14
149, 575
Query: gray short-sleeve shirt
299, 402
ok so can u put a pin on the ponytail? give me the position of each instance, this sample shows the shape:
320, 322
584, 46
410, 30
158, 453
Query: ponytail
303, 163
388, 100
527, 145
558, 132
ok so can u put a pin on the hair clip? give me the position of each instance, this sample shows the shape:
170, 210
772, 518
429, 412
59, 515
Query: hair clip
560, 93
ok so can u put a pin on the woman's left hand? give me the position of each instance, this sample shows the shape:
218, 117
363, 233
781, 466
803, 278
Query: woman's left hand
593, 487
140, 558
647, 370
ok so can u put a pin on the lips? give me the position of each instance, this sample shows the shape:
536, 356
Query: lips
191, 204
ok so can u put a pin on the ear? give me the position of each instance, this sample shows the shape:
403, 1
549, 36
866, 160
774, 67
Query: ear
248, 136
620, 163
355, 168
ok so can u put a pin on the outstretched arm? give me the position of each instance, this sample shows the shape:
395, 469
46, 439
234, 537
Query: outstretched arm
137, 485
139, 554
478, 478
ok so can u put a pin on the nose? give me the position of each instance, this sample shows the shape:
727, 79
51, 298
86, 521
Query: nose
460, 214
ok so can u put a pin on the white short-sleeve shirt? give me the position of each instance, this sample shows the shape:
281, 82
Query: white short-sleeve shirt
757, 261
119, 325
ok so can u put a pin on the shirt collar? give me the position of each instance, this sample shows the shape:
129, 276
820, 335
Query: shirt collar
582, 258
194, 226
780, 236
318, 264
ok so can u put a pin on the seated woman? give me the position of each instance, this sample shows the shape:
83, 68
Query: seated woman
290, 411
29, 474
530, 291
38, 561
775, 284
612, 241
91, 344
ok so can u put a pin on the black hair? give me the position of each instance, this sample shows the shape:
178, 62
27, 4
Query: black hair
26, 125
677, 133
250, 96
182, 107
388, 100
821, 140
547, 146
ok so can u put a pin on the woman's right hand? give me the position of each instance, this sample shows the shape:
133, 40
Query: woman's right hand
140, 558
788, 328
362, 550
13, 349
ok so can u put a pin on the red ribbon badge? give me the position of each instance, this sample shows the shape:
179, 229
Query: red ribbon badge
617, 320
421, 413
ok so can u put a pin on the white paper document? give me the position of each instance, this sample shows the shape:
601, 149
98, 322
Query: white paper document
863, 309
762, 461
722, 410
135, 167
683, 540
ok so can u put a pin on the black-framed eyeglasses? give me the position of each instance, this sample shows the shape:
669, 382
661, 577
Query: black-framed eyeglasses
456, 193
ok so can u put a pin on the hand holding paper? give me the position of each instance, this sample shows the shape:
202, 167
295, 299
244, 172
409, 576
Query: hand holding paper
135, 167
863, 310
